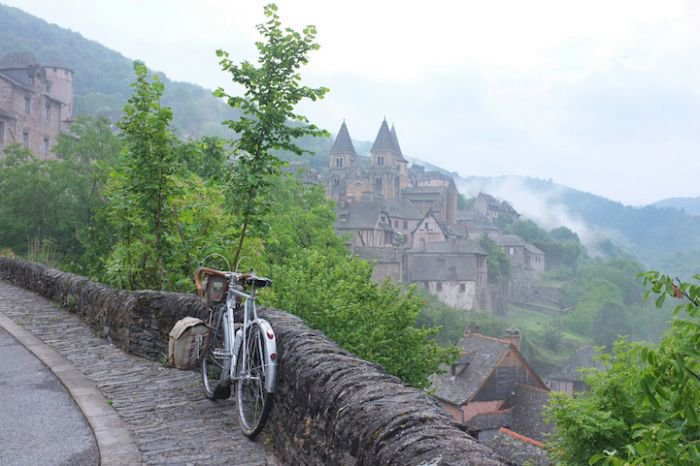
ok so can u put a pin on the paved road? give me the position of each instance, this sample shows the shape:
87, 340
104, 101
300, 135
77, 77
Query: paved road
41, 425
171, 422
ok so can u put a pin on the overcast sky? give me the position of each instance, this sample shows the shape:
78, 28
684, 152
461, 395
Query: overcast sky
602, 96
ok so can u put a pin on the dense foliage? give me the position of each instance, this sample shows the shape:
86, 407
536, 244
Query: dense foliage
143, 209
644, 409
271, 91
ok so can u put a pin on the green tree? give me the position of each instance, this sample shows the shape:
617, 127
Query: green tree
141, 187
644, 409
271, 91
499, 266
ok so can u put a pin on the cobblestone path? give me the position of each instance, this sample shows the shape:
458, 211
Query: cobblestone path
171, 421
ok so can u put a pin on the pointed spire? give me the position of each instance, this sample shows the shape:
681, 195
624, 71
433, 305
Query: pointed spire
343, 143
386, 141
396, 139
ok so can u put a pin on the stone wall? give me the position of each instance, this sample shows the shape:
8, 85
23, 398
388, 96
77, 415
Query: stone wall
331, 408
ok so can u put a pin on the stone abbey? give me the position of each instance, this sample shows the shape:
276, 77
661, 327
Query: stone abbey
405, 219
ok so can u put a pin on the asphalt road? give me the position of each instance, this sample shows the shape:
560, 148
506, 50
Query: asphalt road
40, 424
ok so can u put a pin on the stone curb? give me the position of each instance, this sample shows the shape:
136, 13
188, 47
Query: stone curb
114, 441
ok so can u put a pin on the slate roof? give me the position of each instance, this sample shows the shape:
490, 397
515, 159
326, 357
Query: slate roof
363, 215
427, 268
514, 241
18, 60
55, 62
454, 246
386, 142
396, 140
437, 190
519, 449
527, 403
582, 358
480, 356
379, 254
343, 143
494, 420
17, 77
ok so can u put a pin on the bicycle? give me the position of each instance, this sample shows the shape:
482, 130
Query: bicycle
241, 352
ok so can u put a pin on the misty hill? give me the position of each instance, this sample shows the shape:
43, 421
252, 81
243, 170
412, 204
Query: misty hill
667, 239
690, 205
102, 76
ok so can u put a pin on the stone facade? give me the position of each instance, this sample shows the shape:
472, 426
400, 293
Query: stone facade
36, 101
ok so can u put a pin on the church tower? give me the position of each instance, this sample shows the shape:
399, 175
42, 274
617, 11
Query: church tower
343, 163
388, 173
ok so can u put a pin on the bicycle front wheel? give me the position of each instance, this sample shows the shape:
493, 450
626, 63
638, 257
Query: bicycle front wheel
253, 400
213, 363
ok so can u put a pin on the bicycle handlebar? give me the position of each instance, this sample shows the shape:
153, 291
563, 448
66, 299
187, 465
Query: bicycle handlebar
243, 278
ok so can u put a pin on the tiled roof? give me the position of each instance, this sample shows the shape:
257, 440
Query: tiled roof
481, 354
519, 449
17, 77
362, 215
454, 268
514, 241
527, 403
55, 62
343, 143
379, 254
454, 246
494, 420
582, 358
17, 60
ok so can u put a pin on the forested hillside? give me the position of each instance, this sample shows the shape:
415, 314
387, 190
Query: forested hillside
660, 237
689, 205
102, 76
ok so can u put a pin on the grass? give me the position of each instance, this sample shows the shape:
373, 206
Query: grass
532, 325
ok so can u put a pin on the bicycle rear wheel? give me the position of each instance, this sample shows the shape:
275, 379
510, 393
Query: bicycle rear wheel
253, 400
213, 363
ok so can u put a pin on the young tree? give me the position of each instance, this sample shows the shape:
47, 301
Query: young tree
271, 91
644, 409
141, 187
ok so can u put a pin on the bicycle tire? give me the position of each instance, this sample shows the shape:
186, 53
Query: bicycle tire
213, 364
252, 399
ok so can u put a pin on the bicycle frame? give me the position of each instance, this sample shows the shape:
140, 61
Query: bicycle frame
233, 339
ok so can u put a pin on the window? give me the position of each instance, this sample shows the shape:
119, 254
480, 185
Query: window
462, 287
47, 115
380, 160
46, 146
339, 162
387, 237
511, 251
336, 181
25, 139
438, 286
396, 223
378, 182
2, 132
27, 104
405, 224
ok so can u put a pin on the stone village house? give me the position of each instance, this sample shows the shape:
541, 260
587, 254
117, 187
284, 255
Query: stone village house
36, 102
496, 396
406, 221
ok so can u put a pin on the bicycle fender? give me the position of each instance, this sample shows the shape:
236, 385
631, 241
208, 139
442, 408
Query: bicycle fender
271, 356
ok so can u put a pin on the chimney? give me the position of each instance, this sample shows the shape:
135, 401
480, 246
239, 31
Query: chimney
472, 329
513, 337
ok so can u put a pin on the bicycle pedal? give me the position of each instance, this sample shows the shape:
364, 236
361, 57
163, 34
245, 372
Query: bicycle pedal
222, 392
